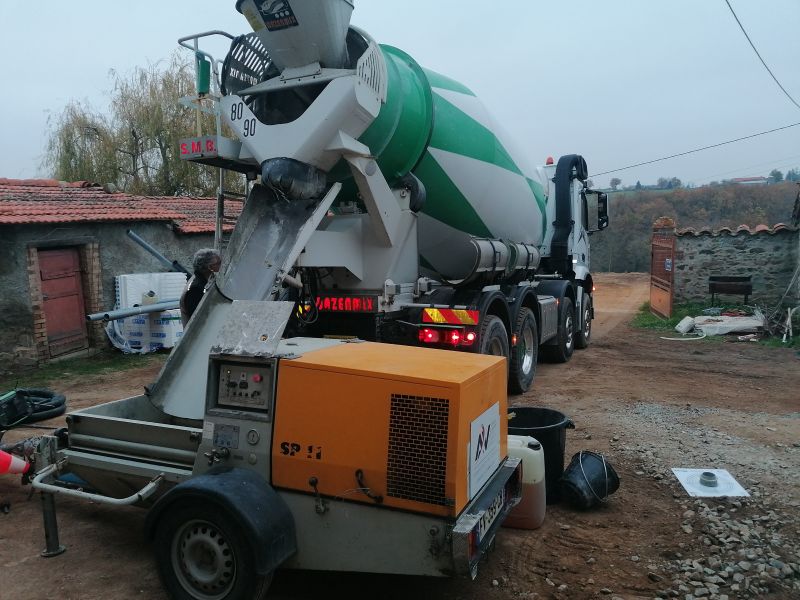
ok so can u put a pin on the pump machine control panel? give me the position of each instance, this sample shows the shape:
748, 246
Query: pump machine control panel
245, 386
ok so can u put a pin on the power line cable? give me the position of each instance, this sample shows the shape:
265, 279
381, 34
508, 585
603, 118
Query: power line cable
753, 46
655, 160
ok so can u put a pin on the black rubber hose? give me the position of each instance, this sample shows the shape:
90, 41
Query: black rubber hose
33, 404
42, 398
43, 415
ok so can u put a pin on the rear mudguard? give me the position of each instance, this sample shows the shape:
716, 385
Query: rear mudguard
249, 500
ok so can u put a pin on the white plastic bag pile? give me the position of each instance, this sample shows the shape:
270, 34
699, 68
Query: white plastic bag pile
721, 325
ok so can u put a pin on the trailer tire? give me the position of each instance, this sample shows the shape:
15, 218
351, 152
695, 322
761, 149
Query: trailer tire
584, 334
524, 354
203, 554
562, 350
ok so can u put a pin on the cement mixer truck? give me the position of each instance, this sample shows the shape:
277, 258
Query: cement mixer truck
385, 207
441, 234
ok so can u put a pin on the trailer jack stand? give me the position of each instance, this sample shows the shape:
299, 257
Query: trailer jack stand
46, 456
53, 547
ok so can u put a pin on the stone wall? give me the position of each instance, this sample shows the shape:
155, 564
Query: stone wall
105, 252
769, 257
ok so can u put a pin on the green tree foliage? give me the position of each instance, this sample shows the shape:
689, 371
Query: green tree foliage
776, 175
625, 245
135, 145
671, 183
793, 175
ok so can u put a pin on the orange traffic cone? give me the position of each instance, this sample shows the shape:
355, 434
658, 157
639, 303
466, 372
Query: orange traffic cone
12, 464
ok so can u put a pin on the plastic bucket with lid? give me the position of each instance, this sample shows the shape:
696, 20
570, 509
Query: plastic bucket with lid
549, 427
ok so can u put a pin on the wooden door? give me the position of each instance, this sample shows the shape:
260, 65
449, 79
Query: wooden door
662, 265
62, 297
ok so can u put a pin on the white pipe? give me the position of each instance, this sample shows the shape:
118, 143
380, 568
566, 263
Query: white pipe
787, 334
144, 493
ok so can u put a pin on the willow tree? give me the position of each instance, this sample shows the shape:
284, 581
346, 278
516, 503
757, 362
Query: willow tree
134, 144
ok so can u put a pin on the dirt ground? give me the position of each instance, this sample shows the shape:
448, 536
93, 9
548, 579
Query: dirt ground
646, 403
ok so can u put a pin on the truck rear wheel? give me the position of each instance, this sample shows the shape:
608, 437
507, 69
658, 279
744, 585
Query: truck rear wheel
493, 338
565, 339
524, 353
203, 555
584, 334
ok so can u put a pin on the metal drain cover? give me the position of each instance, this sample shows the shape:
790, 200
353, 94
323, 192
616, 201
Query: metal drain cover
709, 483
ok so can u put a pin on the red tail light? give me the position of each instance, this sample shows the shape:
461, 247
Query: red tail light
429, 336
453, 337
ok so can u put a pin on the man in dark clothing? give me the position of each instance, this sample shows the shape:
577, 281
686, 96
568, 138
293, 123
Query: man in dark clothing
206, 264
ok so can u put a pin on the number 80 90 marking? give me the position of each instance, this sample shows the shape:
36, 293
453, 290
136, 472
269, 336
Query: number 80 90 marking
249, 125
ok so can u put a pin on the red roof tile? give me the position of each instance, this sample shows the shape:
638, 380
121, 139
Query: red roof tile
758, 229
29, 201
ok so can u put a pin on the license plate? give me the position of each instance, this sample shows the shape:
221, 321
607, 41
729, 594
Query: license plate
491, 513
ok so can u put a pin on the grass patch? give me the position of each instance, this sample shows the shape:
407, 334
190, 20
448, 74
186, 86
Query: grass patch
101, 364
644, 319
777, 341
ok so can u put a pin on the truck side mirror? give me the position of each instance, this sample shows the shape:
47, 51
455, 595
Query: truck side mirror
602, 211
596, 210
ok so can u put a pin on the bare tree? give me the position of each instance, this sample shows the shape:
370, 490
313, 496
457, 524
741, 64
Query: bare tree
134, 145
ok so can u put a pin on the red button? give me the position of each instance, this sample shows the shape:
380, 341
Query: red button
258, 378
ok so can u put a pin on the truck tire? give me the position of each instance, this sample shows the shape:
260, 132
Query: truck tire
584, 333
522, 365
493, 337
202, 554
565, 339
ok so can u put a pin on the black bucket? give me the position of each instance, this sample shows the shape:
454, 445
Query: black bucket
549, 427
588, 480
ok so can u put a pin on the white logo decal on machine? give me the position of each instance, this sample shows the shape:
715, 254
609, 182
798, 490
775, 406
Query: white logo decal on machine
484, 454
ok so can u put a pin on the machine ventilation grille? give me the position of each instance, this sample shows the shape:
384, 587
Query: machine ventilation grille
372, 69
418, 449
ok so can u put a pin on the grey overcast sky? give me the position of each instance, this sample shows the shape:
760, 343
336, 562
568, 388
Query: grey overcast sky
618, 81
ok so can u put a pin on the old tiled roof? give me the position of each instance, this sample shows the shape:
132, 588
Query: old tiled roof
744, 229
30, 201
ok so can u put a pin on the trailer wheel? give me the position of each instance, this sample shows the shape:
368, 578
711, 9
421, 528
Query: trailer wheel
565, 339
524, 354
203, 555
584, 334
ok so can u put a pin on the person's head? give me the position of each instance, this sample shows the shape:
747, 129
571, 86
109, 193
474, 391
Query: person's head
206, 261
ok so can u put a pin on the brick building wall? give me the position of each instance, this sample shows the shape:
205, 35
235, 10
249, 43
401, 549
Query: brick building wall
105, 251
